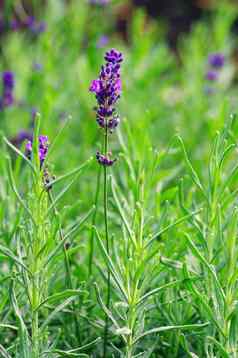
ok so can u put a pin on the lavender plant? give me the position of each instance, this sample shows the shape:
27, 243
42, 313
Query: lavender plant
213, 246
38, 244
172, 243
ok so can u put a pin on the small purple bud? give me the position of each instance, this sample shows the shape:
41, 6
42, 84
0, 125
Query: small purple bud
216, 60
37, 66
212, 75
95, 86
102, 41
29, 146
8, 80
113, 56
104, 160
43, 148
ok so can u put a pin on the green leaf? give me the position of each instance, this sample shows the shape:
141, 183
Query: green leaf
188, 327
122, 213
4, 353
110, 265
58, 296
62, 242
71, 173
25, 350
18, 152
199, 256
221, 348
57, 309
13, 186
170, 226
108, 312
192, 172
14, 258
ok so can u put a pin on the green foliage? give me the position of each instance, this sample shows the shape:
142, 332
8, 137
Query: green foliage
172, 194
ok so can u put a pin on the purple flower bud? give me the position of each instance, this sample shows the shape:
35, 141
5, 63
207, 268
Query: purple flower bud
37, 66
104, 160
107, 89
7, 99
29, 147
102, 41
95, 86
216, 60
211, 75
43, 148
113, 56
8, 80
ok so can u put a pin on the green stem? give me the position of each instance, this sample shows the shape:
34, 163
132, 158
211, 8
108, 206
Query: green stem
105, 189
35, 321
91, 253
35, 278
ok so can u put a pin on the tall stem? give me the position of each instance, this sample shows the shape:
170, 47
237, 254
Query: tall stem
35, 274
105, 189
35, 323
91, 253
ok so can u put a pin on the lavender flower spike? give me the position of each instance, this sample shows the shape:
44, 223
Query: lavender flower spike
107, 89
43, 148
216, 60
211, 75
105, 160
8, 80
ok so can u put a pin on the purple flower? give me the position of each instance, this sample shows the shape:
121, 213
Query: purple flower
216, 60
104, 160
113, 56
95, 86
37, 66
102, 41
43, 148
8, 80
107, 88
7, 98
211, 75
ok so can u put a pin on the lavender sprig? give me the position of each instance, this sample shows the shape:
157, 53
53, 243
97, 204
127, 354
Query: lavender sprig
107, 89
8, 84
42, 150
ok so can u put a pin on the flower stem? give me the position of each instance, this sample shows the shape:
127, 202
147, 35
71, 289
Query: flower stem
35, 323
35, 272
107, 242
91, 253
